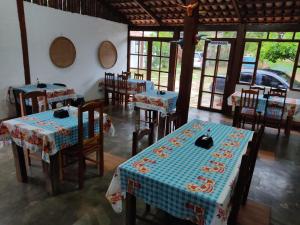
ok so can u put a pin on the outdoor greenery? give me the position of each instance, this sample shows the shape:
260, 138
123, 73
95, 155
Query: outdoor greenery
276, 51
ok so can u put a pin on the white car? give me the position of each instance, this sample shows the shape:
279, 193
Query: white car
198, 57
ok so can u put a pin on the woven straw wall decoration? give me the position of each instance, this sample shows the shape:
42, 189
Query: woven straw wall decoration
107, 54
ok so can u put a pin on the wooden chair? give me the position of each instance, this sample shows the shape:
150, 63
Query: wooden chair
39, 103
252, 153
173, 122
261, 89
138, 76
88, 143
274, 111
248, 108
141, 87
239, 190
137, 136
122, 91
126, 74
109, 87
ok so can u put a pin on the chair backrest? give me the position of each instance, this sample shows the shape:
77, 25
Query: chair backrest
173, 122
278, 106
138, 76
141, 87
259, 88
37, 100
126, 74
139, 135
239, 189
60, 84
94, 111
122, 83
249, 98
109, 80
278, 92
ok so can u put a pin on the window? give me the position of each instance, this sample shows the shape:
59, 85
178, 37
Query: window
138, 57
269, 59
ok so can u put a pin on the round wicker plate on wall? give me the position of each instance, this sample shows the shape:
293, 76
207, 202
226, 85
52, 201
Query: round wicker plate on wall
107, 54
62, 52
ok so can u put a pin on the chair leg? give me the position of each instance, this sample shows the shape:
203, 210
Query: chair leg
61, 166
28, 157
81, 171
100, 162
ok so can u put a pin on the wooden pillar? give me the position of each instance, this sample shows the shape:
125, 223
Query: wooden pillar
21, 15
190, 31
236, 65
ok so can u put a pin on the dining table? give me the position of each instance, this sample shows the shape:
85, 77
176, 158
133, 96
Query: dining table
48, 135
291, 111
182, 179
161, 103
55, 93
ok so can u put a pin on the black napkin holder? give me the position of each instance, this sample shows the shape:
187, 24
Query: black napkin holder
204, 142
162, 92
41, 85
61, 113
266, 95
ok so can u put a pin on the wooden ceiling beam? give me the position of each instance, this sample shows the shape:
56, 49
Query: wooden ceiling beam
237, 10
148, 11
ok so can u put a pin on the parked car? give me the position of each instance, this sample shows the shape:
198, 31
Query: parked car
198, 57
246, 62
269, 78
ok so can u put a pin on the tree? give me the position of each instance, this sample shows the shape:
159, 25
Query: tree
275, 51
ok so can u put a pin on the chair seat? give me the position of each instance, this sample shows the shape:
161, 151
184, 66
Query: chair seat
248, 111
274, 113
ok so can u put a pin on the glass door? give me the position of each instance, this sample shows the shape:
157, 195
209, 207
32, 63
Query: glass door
215, 68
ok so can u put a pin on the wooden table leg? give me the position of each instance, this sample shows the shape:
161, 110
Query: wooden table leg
137, 118
161, 127
235, 122
288, 125
130, 209
20, 164
52, 175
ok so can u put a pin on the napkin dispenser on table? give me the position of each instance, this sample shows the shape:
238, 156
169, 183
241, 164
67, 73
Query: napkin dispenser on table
41, 85
204, 141
61, 113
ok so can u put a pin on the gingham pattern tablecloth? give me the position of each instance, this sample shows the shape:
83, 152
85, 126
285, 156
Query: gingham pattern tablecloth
55, 93
152, 100
47, 134
182, 179
132, 83
292, 105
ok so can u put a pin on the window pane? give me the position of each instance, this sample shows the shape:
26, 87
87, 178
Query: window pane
133, 61
144, 72
205, 100
133, 71
297, 79
208, 83
143, 47
155, 63
226, 34
165, 34
150, 34
136, 33
247, 73
297, 36
250, 52
259, 35
164, 79
218, 101
154, 77
220, 84
281, 35
165, 49
134, 47
211, 51
225, 52
209, 34
156, 48
142, 62
222, 69
210, 67
164, 66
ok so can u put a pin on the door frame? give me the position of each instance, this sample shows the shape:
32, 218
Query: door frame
229, 71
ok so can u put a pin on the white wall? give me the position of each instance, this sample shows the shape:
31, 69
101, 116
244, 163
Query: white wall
11, 61
43, 26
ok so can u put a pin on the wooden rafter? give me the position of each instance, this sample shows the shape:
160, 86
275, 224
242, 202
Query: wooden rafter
236, 8
148, 11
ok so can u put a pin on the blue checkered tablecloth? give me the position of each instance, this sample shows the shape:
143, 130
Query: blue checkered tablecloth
44, 133
152, 100
184, 180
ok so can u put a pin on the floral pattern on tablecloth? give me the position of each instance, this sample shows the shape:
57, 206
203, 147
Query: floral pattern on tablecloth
190, 183
44, 133
164, 104
292, 105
